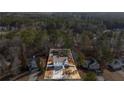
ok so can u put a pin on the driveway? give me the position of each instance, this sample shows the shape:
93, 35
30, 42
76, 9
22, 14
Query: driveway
113, 76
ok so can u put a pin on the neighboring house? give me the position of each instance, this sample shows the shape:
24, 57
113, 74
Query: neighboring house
60, 65
91, 64
122, 61
3, 28
115, 65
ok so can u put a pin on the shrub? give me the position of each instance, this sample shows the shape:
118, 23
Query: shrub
90, 76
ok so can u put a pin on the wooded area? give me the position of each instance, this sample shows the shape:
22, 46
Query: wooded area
88, 35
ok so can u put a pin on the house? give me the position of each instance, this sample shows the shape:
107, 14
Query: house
115, 64
60, 65
91, 64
